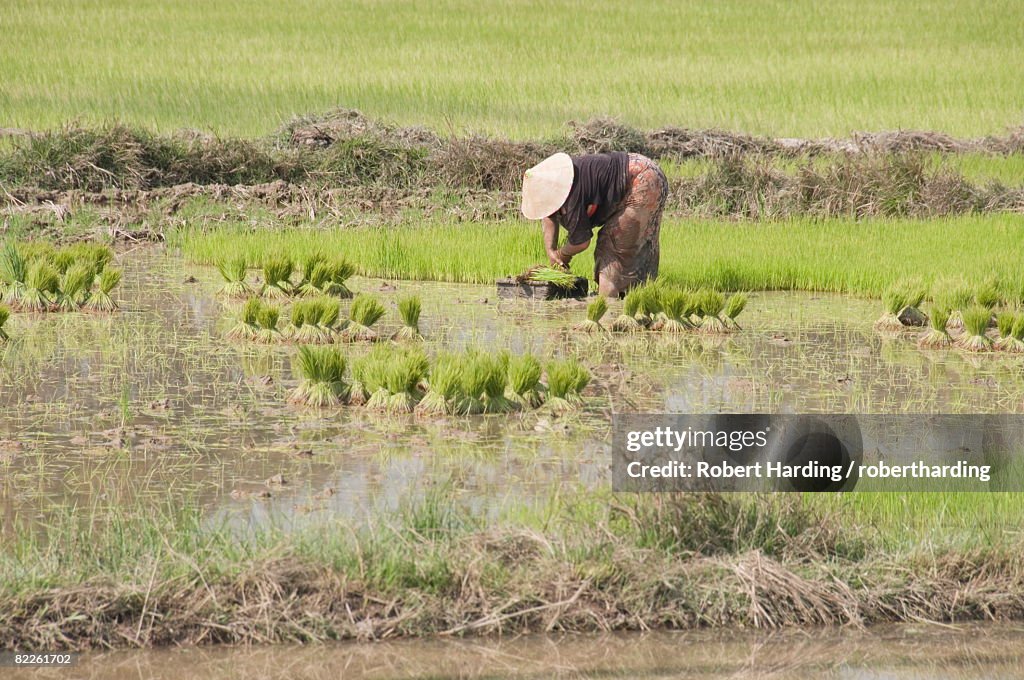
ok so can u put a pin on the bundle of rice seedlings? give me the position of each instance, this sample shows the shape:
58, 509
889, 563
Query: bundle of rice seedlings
649, 304
733, 308
366, 310
443, 387
566, 380
405, 372
96, 254
595, 312
101, 300
313, 320
75, 287
233, 271
306, 285
368, 374
976, 320
409, 309
1016, 342
63, 259
712, 303
562, 278
323, 377
675, 304
338, 272
248, 326
1004, 323
957, 297
895, 299
475, 375
627, 321
5, 314
267, 318
41, 286
936, 337
496, 369
525, 389
13, 272
277, 275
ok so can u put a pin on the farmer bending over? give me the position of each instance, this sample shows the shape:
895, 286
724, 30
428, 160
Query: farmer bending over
622, 193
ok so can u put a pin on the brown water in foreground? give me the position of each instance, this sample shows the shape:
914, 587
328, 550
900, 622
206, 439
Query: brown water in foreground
961, 652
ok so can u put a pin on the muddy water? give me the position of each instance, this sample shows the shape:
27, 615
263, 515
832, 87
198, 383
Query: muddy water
152, 403
897, 652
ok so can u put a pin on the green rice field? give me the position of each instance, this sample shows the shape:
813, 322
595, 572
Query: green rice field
240, 67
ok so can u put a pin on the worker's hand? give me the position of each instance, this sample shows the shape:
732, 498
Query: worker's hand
555, 258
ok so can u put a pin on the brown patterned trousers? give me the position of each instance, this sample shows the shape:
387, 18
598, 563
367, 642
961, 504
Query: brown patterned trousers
628, 247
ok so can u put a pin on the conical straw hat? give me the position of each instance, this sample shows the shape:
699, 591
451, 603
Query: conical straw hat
546, 186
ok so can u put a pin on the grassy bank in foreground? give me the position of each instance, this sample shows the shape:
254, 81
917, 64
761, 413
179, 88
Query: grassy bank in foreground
860, 257
583, 563
798, 68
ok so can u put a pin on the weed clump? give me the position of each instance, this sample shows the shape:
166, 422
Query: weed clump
936, 337
627, 321
443, 387
277, 274
366, 310
525, 389
233, 272
566, 380
595, 312
101, 300
323, 377
409, 310
976, 320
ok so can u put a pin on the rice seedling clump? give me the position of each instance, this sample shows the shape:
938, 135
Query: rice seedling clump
733, 308
323, 377
676, 306
648, 304
405, 371
13, 273
897, 299
711, 304
313, 320
1016, 342
936, 337
560, 278
987, 295
233, 272
368, 375
566, 380
101, 300
277, 274
525, 389
443, 386
1004, 324
366, 310
42, 283
248, 326
595, 312
409, 310
267, 318
976, 320
627, 321
75, 287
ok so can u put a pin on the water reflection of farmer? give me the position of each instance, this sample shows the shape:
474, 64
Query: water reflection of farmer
622, 193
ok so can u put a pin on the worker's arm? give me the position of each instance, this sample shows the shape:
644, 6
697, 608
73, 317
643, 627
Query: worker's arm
568, 251
551, 240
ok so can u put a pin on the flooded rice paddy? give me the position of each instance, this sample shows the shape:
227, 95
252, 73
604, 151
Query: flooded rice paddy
152, 403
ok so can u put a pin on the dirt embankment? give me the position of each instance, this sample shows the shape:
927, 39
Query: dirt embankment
345, 165
663, 563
